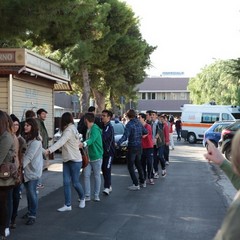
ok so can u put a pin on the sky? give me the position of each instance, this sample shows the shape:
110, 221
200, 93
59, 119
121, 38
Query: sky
189, 34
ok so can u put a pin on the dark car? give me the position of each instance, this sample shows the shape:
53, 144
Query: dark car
214, 132
226, 138
120, 152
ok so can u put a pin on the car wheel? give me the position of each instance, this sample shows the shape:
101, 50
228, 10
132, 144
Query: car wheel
228, 153
192, 138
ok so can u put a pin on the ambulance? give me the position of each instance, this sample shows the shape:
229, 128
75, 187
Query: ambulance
196, 119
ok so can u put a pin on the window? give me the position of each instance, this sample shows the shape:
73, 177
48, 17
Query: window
226, 116
153, 95
210, 117
144, 95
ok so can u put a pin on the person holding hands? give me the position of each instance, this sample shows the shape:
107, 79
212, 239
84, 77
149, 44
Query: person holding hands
230, 226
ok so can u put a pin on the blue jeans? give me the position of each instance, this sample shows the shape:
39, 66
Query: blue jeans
13, 203
147, 162
96, 167
32, 198
71, 173
134, 158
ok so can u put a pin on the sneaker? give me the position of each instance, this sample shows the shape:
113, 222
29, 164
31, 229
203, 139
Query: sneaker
143, 185
96, 199
156, 175
82, 203
110, 189
30, 221
134, 187
151, 182
13, 225
7, 232
106, 191
40, 186
65, 208
164, 173
87, 198
25, 216
167, 162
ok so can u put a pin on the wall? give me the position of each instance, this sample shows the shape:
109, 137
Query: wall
4, 94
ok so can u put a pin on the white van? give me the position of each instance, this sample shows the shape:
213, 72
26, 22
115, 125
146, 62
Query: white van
196, 119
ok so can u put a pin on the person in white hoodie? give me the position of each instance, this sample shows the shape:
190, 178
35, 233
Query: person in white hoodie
72, 160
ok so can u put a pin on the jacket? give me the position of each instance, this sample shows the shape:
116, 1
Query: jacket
7, 152
43, 133
108, 139
94, 143
230, 229
69, 142
33, 160
226, 166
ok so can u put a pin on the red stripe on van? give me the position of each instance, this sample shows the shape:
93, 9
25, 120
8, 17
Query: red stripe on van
205, 125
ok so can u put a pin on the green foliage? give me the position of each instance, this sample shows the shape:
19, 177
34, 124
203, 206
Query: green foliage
217, 82
101, 37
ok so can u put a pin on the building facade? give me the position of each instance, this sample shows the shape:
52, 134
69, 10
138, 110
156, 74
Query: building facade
28, 82
163, 94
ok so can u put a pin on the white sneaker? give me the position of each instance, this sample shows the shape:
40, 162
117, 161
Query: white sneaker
7, 232
134, 188
106, 191
82, 203
143, 185
96, 199
156, 175
65, 208
87, 198
110, 189
164, 173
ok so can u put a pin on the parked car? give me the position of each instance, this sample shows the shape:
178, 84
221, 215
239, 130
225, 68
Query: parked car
214, 132
226, 138
120, 152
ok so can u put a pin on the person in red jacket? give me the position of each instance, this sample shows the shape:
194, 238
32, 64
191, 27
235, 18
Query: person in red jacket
147, 151
163, 119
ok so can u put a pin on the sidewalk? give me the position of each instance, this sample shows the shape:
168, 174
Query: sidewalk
51, 179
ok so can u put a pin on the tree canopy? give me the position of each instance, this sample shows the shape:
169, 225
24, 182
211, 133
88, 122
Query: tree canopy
98, 41
218, 82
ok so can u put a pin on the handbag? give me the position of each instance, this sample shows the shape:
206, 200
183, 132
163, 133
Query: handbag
9, 173
85, 158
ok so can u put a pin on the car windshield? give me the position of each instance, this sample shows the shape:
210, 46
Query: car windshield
235, 126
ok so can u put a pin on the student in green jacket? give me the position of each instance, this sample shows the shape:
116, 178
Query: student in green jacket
230, 227
95, 151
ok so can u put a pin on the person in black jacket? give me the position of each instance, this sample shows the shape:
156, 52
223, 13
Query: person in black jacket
108, 149
82, 127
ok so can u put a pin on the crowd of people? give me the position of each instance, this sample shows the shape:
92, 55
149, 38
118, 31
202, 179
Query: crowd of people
27, 142
149, 135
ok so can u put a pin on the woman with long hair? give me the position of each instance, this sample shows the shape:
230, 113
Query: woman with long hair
7, 153
72, 160
32, 167
17, 188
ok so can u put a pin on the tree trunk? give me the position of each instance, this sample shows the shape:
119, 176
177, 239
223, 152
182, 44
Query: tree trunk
99, 98
115, 109
86, 91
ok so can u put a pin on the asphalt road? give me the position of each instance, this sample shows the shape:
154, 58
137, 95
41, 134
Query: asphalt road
189, 204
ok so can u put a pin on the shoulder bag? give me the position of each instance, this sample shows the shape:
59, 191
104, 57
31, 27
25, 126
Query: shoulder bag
85, 158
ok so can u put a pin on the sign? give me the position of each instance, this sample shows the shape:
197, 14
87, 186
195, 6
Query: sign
7, 57
172, 73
